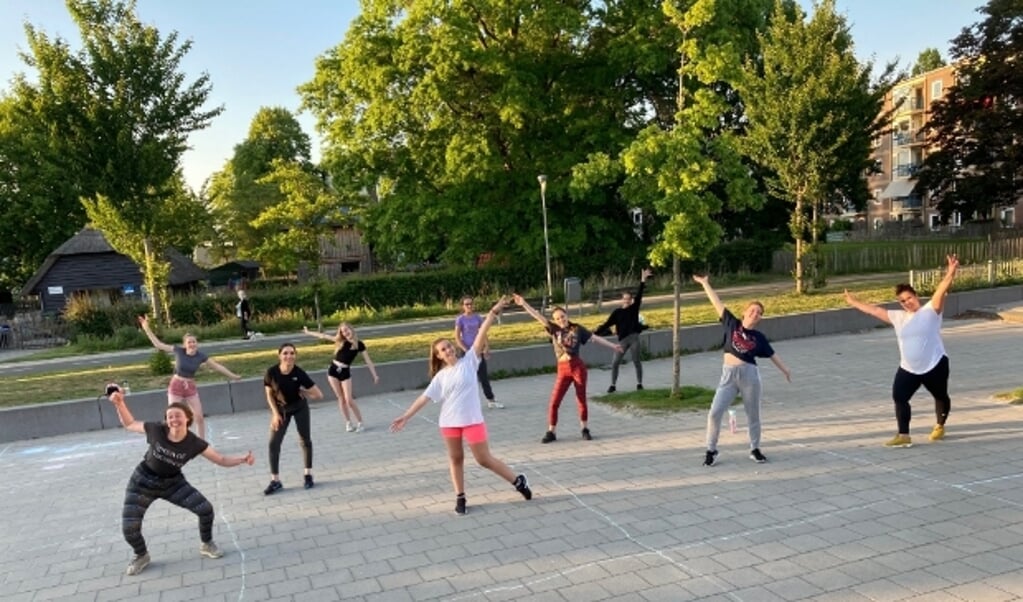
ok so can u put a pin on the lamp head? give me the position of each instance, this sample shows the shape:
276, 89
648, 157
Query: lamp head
542, 178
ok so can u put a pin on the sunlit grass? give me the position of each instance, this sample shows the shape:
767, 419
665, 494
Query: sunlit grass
1014, 397
690, 398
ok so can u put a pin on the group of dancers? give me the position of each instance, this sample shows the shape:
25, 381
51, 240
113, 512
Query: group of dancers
458, 368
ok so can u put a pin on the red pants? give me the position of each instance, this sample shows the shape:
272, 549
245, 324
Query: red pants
571, 372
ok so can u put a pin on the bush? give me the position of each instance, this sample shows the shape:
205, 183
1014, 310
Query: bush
160, 363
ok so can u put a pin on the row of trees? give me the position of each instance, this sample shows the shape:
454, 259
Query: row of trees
715, 118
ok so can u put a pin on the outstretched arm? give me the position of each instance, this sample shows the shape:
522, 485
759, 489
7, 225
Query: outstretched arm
400, 422
781, 366
222, 369
704, 281
319, 335
871, 310
220, 460
144, 323
617, 348
124, 414
938, 300
529, 310
480, 344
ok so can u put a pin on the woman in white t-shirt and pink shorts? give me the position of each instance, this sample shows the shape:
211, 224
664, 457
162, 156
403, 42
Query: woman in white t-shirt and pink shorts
454, 384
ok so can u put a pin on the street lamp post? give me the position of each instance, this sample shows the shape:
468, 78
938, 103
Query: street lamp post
546, 242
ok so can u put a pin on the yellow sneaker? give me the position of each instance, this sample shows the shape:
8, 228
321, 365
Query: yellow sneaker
900, 440
938, 433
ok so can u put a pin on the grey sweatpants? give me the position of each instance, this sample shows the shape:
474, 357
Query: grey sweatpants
744, 379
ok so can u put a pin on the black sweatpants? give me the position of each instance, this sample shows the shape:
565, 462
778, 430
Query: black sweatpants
906, 384
302, 423
144, 488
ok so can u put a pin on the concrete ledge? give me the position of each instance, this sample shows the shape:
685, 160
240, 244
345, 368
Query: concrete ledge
45, 420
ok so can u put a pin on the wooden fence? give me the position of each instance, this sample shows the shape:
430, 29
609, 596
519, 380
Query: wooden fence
988, 273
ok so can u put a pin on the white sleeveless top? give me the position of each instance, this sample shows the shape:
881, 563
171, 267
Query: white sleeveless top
919, 337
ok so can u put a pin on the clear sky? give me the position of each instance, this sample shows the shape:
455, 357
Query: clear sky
258, 52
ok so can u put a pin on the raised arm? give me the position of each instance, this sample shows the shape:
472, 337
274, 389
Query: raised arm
124, 414
704, 281
222, 369
319, 335
220, 460
637, 300
480, 344
871, 310
938, 299
529, 310
144, 323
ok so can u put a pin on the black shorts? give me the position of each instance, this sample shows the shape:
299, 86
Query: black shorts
339, 373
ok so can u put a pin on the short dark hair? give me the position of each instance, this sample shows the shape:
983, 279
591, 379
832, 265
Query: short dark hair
184, 407
904, 287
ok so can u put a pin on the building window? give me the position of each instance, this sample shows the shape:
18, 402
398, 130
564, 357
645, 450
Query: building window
935, 220
936, 90
1009, 217
878, 223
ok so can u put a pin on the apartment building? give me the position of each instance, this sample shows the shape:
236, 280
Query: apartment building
899, 154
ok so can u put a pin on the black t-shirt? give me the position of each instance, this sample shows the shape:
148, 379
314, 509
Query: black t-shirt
744, 343
287, 388
625, 320
346, 353
165, 457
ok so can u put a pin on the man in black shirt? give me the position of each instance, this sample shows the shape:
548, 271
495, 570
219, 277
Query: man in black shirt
625, 320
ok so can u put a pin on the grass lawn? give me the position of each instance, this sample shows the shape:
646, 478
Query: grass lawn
1014, 397
315, 355
659, 400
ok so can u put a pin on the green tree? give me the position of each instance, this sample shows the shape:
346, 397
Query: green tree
929, 59
977, 127
445, 113
813, 111
116, 115
240, 192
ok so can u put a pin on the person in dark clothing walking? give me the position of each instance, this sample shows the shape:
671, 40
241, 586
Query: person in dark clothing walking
158, 476
625, 320
288, 390
243, 310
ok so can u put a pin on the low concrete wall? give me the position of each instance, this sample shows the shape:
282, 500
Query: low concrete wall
91, 414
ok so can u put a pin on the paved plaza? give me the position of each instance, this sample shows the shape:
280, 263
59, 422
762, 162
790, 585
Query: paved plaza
631, 515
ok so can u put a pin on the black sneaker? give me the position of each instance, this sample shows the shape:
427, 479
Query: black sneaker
757, 457
273, 488
460, 505
639, 387
611, 389
523, 487
711, 456
548, 437
309, 482
586, 435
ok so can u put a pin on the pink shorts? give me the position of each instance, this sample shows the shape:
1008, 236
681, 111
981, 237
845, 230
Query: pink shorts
182, 387
473, 434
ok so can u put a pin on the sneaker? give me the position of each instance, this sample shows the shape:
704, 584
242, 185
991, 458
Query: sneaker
522, 486
548, 437
460, 505
309, 482
639, 387
495, 405
210, 550
900, 440
349, 428
711, 456
273, 488
611, 389
586, 435
757, 457
938, 433
138, 562
358, 428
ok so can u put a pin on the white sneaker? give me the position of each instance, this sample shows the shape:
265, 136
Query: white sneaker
495, 405
349, 428
358, 428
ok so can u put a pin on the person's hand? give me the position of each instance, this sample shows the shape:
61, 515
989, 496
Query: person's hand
953, 263
849, 297
249, 458
376, 379
517, 298
236, 377
788, 375
144, 322
398, 423
618, 348
276, 421
701, 280
646, 273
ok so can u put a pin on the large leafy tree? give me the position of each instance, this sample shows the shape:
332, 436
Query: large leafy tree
812, 112
240, 192
114, 118
977, 127
445, 113
928, 60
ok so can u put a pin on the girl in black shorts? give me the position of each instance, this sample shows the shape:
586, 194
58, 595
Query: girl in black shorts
339, 374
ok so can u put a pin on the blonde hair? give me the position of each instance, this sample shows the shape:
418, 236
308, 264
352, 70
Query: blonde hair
436, 363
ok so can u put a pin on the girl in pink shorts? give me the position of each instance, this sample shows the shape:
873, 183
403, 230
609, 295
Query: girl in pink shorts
453, 383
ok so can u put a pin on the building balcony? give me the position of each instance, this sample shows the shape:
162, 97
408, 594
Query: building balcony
908, 170
909, 204
908, 137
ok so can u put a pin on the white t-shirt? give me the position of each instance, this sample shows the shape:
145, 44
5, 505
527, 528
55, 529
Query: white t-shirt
919, 336
456, 387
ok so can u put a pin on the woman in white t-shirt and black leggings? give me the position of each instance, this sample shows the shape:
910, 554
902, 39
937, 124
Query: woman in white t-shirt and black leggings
454, 384
922, 358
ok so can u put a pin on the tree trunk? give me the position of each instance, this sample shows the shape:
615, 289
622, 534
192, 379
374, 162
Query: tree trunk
797, 233
149, 276
676, 324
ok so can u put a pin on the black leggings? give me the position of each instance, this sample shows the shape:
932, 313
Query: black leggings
907, 383
301, 415
144, 488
